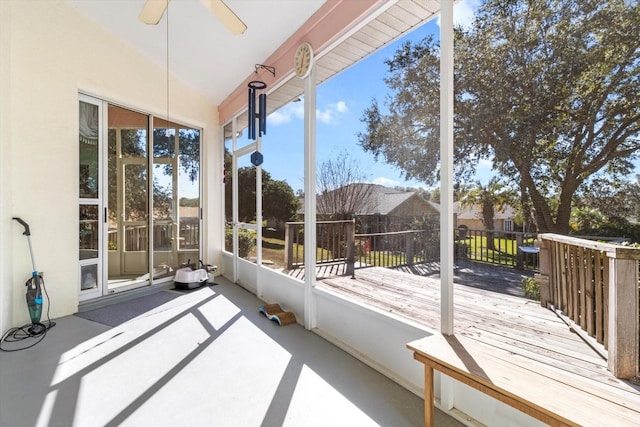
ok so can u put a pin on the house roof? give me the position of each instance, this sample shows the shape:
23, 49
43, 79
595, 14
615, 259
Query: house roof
200, 52
383, 200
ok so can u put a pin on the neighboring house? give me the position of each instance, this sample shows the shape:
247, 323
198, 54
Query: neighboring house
387, 209
471, 217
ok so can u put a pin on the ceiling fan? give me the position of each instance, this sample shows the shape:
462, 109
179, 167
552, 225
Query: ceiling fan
154, 9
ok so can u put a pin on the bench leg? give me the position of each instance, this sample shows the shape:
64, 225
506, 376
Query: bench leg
428, 397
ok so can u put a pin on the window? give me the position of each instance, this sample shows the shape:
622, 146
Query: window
508, 225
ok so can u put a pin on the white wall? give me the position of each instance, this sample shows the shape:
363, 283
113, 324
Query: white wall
379, 339
6, 293
50, 52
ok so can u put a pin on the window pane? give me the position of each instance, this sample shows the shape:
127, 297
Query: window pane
246, 190
88, 139
189, 189
163, 191
163, 138
132, 130
136, 239
228, 193
134, 143
135, 192
89, 231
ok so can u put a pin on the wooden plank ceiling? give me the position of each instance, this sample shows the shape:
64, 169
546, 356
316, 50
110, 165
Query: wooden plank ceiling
388, 26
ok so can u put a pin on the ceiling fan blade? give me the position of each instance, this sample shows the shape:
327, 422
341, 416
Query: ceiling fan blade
152, 11
226, 16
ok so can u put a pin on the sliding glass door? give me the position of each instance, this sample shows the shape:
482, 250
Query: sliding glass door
139, 198
176, 197
128, 199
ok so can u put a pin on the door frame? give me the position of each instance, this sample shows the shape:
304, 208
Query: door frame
102, 261
99, 290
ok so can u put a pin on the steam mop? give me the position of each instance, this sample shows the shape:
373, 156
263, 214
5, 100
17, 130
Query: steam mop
34, 289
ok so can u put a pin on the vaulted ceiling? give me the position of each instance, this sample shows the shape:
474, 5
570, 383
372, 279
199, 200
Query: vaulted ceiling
202, 53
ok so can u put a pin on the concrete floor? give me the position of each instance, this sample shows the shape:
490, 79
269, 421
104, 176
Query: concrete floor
204, 358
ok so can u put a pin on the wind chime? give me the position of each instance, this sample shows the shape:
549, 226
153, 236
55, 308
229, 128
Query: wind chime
259, 114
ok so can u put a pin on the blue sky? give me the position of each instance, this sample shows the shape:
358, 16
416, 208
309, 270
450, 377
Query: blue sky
340, 104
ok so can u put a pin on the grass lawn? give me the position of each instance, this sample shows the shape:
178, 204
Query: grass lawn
505, 251
273, 250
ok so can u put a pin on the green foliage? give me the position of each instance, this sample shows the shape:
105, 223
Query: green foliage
546, 89
531, 288
190, 202
494, 196
618, 200
278, 199
587, 221
246, 241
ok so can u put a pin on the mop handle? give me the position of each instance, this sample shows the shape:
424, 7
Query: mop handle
27, 233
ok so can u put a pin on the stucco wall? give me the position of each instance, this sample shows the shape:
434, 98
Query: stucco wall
5, 177
50, 53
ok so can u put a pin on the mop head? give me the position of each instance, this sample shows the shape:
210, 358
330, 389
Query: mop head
277, 314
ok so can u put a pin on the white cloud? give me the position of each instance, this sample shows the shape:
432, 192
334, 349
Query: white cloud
330, 114
387, 182
295, 110
463, 12
286, 114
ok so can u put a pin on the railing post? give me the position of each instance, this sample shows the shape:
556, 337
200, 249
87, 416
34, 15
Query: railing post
544, 277
623, 316
350, 230
288, 245
409, 248
519, 253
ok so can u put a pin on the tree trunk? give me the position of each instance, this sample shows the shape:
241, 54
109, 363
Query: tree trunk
540, 206
488, 212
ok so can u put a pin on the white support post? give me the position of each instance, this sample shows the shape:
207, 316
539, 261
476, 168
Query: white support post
309, 199
259, 292
446, 167
234, 194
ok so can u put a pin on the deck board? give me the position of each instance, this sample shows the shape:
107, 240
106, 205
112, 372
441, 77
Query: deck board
511, 323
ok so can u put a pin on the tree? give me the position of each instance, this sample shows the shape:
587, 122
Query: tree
278, 199
135, 180
494, 196
545, 89
617, 200
341, 193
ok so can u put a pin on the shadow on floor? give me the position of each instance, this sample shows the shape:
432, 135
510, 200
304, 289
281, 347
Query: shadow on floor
206, 358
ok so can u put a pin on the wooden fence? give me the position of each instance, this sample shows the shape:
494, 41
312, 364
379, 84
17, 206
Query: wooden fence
334, 241
595, 285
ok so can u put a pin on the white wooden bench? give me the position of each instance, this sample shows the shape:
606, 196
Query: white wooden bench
549, 396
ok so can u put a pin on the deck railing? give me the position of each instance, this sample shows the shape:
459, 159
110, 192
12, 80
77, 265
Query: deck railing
334, 241
595, 285
397, 248
506, 248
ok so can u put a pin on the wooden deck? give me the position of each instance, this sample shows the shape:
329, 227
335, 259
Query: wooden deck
517, 325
